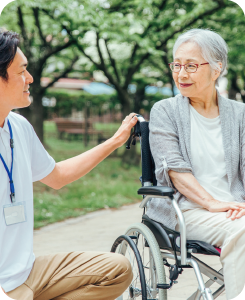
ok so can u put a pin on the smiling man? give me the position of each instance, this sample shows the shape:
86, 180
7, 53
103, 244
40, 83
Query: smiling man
23, 160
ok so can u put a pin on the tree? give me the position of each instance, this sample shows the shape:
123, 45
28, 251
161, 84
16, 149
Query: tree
120, 38
41, 39
230, 23
142, 28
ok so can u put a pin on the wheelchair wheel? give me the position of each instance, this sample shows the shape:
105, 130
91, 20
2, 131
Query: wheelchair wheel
152, 264
124, 245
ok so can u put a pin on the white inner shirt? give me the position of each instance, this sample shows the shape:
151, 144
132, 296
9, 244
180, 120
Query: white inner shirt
31, 163
208, 158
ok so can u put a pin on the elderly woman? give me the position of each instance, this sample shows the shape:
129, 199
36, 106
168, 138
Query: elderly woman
197, 140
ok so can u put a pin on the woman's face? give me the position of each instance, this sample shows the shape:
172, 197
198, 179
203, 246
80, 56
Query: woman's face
193, 84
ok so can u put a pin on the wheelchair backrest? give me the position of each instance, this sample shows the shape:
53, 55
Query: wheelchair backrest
141, 130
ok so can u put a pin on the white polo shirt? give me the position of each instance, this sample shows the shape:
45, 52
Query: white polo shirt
31, 163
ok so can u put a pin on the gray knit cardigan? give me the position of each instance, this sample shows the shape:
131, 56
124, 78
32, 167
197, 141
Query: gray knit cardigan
170, 147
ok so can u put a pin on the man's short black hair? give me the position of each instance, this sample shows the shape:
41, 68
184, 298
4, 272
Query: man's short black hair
9, 41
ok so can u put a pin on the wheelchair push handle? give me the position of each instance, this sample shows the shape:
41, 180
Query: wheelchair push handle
141, 130
135, 133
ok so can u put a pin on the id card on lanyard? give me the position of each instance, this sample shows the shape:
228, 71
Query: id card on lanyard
14, 212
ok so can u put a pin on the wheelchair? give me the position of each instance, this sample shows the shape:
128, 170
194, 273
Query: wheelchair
150, 245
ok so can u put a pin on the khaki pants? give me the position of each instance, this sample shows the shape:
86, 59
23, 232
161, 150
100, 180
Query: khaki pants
76, 276
216, 229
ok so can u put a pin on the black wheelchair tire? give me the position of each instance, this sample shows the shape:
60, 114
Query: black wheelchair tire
134, 248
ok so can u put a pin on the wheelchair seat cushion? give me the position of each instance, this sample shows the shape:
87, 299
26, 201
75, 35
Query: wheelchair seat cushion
201, 247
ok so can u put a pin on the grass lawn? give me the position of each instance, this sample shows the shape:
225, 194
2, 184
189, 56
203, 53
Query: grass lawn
108, 185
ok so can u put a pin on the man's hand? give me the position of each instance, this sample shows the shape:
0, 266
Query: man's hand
123, 133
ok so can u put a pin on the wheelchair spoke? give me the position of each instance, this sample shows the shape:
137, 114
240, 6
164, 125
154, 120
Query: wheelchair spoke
145, 272
134, 288
151, 282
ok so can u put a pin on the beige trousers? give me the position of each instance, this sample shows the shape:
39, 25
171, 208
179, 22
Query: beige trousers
76, 276
216, 229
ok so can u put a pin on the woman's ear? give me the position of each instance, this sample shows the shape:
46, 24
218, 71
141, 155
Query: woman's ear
216, 73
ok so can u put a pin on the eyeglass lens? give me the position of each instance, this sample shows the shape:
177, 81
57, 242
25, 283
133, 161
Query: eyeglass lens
188, 67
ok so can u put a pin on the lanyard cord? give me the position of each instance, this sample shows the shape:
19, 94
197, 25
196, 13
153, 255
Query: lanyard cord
10, 173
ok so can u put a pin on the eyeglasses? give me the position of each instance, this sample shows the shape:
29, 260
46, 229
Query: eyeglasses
190, 67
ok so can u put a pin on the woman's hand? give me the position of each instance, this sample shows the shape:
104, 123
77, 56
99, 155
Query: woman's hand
123, 133
234, 210
235, 214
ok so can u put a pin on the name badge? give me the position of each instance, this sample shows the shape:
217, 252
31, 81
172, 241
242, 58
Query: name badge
14, 213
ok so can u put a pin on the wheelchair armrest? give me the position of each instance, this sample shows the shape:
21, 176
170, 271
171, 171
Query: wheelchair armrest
156, 191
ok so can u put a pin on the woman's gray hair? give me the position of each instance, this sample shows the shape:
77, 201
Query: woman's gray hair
213, 47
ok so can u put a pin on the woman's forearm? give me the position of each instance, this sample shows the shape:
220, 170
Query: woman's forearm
188, 186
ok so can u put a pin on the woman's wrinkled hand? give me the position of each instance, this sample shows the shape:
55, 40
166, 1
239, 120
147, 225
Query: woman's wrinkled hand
235, 214
234, 210
123, 133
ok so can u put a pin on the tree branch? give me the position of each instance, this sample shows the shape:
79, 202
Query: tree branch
55, 50
102, 62
160, 9
206, 13
121, 7
80, 47
113, 62
37, 22
76, 42
136, 47
134, 69
100, 66
63, 74
23, 31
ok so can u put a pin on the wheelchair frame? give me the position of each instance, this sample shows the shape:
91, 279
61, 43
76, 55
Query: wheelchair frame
170, 240
187, 259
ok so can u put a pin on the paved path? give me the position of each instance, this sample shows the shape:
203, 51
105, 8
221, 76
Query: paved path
97, 231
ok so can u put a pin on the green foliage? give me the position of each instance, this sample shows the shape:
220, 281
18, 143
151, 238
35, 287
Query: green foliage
230, 24
108, 185
129, 41
66, 100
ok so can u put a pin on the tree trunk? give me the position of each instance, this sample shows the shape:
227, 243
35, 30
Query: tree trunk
125, 102
234, 89
37, 112
129, 158
34, 113
86, 115
139, 97
26, 112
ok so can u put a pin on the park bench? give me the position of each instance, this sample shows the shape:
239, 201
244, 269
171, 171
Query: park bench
75, 128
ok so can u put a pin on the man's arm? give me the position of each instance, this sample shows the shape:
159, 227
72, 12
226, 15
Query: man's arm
74, 168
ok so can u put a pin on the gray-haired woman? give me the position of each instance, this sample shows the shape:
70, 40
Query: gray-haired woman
197, 140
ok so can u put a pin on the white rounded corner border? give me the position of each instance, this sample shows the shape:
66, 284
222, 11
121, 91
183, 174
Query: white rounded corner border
3, 3
241, 3
3, 296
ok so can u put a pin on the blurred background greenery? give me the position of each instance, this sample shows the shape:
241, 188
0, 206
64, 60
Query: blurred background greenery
95, 61
108, 185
